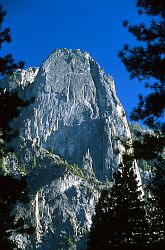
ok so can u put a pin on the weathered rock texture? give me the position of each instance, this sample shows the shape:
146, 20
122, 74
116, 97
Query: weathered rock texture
77, 116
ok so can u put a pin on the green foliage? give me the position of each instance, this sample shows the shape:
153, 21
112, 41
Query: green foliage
81, 173
2, 164
71, 241
22, 169
146, 166
146, 62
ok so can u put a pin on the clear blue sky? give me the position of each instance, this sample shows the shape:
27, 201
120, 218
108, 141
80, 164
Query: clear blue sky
40, 26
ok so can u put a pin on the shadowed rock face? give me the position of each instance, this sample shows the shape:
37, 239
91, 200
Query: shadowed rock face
77, 115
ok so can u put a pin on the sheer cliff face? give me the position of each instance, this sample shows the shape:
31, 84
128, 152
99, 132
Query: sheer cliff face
76, 111
77, 115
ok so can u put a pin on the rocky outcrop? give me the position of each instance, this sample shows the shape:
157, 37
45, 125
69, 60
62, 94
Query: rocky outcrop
74, 124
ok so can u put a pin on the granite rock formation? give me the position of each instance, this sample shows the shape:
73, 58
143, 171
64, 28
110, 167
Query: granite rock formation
71, 145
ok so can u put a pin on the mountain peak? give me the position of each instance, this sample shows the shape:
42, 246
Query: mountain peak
77, 119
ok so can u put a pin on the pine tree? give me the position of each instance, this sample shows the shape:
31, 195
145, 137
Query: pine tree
146, 62
100, 229
157, 187
120, 220
155, 223
150, 148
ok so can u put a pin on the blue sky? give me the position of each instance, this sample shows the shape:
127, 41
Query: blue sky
40, 26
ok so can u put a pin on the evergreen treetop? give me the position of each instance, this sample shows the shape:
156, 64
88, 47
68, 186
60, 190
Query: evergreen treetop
120, 220
146, 61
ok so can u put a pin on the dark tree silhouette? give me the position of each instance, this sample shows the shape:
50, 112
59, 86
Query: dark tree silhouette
7, 64
11, 189
9, 102
157, 184
10, 105
146, 62
155, 223
120, 220
101, 227
149, 146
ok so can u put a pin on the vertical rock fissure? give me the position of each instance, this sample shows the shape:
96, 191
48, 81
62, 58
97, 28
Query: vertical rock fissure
95, 79
37, 219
